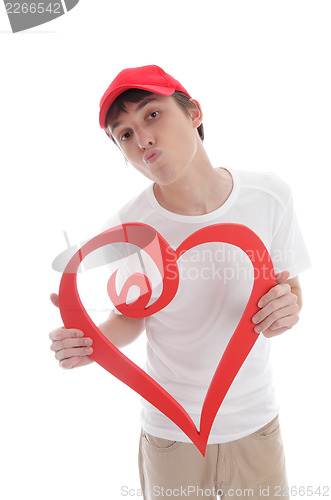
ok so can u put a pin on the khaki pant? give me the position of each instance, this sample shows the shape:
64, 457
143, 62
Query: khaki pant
252, 467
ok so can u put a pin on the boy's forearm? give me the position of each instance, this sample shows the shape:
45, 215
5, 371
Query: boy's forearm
121, 330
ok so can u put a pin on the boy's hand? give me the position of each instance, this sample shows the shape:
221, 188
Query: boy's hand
70, 346
279, 309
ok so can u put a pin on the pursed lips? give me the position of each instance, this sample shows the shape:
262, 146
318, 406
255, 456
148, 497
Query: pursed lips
152, 156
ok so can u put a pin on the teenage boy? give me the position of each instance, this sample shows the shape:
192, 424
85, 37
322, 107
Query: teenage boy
158, 127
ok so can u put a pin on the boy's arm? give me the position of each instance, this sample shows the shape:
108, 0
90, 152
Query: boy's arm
279, 307
121, 330
72, 348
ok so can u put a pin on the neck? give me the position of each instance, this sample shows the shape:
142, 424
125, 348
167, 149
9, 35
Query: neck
199, 189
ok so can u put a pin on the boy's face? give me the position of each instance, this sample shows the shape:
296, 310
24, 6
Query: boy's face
157, 137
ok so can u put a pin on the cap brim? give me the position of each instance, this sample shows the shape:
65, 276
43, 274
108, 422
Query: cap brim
108, 101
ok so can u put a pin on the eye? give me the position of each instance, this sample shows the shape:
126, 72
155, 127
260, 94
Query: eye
153, 115
125, 137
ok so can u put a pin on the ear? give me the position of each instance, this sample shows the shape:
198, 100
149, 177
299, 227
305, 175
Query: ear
196, 113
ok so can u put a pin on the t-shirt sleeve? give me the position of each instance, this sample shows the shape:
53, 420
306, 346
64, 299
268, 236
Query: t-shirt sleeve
136, 260
288, 250
127, 259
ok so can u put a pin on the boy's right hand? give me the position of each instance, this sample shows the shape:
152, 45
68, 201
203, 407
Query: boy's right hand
71, 348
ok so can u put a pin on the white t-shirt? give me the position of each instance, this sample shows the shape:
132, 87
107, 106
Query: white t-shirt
187, 338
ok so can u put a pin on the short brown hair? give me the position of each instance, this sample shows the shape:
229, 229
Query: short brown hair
137, 95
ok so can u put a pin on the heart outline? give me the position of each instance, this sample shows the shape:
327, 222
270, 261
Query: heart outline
113, 360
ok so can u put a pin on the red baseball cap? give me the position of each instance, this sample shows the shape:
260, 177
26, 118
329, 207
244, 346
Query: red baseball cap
150, 78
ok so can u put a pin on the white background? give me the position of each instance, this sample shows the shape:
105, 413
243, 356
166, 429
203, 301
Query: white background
261, 71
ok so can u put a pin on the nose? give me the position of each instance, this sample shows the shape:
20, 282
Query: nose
144, 139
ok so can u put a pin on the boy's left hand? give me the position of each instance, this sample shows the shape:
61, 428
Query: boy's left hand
279, 309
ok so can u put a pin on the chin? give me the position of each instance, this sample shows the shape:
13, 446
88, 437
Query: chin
165, 177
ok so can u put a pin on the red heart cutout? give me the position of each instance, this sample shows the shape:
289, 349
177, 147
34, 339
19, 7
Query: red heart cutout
113, 360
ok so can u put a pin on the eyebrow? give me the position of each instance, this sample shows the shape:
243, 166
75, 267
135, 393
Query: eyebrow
141, 105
